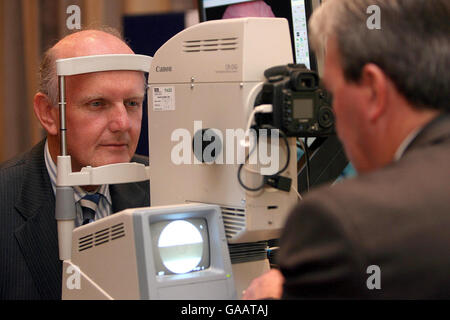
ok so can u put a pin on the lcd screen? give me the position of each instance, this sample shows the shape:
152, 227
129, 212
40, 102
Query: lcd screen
303, 108
180, 246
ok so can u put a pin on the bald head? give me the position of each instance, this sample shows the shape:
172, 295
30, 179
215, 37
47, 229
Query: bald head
82, 43
89, 42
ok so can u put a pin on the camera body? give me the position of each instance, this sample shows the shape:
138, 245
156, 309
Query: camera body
300, 107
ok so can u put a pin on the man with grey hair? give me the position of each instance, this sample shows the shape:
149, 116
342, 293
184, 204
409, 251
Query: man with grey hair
383, 234
103, 123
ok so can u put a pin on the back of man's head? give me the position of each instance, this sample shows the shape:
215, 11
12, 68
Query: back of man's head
412, 45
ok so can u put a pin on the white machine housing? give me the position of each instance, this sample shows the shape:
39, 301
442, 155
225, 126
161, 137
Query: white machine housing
116, 258
212, 72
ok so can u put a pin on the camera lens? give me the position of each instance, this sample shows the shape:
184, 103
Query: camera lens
326, 117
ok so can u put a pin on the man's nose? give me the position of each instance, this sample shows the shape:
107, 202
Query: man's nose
119, 118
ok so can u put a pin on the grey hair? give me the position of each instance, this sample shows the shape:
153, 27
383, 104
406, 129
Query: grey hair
412, 47
48, 81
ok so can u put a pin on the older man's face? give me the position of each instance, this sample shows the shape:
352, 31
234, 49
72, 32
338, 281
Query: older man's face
348, 107
103, 117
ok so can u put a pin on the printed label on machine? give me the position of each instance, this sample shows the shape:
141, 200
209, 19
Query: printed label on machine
163, 98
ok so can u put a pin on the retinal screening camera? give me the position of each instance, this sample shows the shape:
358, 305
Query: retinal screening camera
206, 79
205, 237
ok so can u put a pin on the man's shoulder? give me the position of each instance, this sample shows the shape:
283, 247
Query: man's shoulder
409, 195
417, 177
13, 169
13, 173
17, 163
395, 218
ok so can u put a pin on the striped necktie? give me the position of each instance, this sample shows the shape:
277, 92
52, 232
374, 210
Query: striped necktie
89, 205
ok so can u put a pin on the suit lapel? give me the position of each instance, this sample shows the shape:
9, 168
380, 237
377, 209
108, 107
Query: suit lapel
37, 236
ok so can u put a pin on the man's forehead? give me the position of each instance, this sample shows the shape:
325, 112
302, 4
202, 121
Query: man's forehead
87, 43
120, 82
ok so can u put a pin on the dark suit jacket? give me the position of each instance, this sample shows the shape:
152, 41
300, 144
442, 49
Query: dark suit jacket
397, 218
29, 264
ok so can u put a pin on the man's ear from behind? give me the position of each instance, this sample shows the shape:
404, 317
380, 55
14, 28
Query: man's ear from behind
376, 83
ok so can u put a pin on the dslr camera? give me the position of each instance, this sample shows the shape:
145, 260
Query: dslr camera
300, 107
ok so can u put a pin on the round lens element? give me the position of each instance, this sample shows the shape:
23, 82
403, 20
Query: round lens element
180, 246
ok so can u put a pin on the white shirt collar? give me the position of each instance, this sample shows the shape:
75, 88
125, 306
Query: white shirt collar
405, 144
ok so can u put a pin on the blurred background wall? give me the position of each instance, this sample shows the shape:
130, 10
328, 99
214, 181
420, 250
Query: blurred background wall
27, 29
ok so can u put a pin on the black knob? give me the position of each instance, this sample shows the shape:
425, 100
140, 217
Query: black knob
326, 117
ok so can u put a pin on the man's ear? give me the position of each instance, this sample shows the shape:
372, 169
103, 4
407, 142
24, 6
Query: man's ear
376, 83
46, 113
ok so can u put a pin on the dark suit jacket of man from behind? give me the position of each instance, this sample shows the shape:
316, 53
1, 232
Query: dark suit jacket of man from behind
397, 218
29, 263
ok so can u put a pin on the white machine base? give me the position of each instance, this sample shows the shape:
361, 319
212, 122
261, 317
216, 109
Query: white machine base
245, 272
79, 286
75, 280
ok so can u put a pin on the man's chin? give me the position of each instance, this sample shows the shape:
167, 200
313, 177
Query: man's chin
111, 159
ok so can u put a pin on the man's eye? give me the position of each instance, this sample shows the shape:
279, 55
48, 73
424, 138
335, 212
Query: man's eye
133, 103
96, 103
